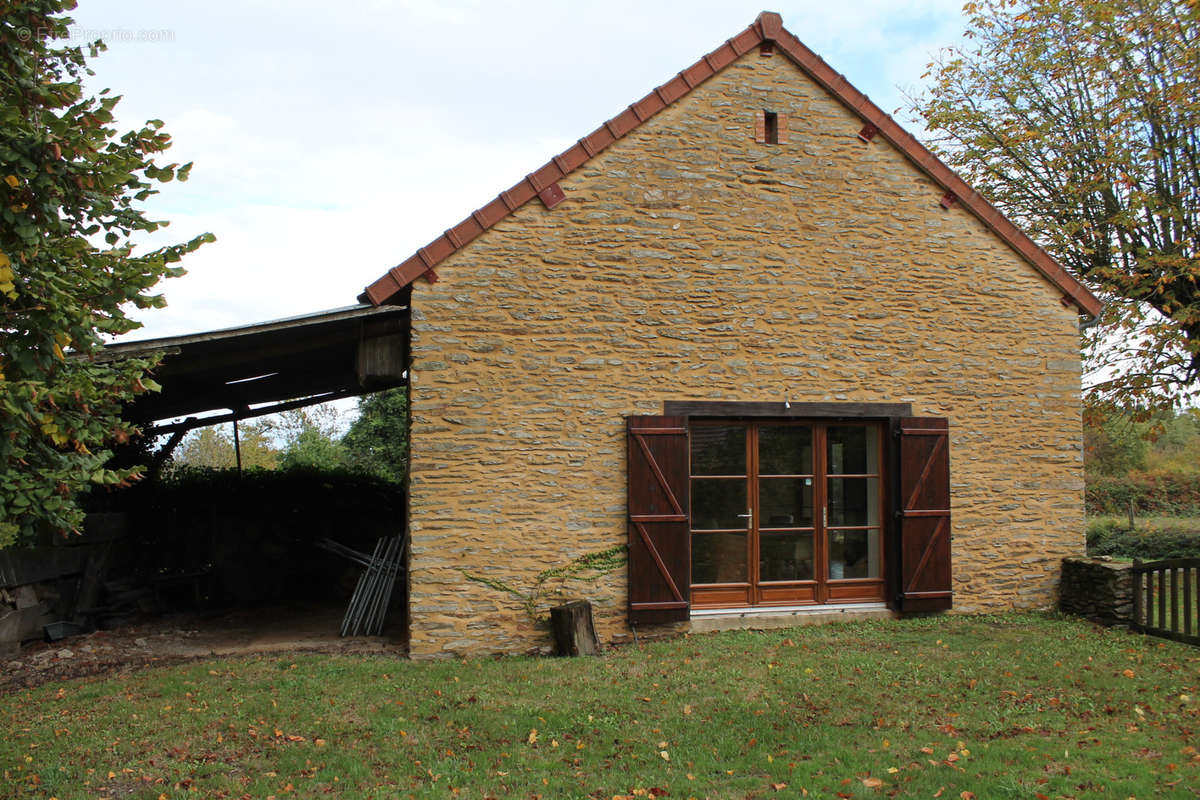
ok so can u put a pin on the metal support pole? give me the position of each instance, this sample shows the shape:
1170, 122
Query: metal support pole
237, 446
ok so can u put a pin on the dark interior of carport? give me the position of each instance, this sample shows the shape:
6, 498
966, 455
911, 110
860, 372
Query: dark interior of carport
248, 540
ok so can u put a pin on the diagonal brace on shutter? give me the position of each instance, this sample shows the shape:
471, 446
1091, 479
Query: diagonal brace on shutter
930, 547
638, 436
662, 567
937, 446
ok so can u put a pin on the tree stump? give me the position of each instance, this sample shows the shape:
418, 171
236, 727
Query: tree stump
574, 633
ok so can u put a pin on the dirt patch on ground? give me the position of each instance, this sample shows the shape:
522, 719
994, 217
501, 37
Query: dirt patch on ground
155, 641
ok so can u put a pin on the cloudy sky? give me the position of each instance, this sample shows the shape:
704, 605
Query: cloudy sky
332, 140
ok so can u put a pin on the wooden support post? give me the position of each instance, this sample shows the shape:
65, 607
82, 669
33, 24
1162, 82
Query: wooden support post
89, 586
1137, 595
574, 632
1189, 580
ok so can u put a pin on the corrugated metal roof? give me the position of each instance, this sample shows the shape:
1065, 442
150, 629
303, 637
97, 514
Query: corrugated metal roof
311, 357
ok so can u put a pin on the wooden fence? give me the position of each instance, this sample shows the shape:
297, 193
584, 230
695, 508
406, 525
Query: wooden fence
1166, 599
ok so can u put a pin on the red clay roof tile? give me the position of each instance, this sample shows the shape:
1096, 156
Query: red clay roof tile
767, 27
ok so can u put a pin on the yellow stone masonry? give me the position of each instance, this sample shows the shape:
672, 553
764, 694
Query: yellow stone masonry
689, 262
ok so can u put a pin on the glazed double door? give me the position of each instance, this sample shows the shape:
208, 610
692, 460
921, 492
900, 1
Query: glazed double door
786, 513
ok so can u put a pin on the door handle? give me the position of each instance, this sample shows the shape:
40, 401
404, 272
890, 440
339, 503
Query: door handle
749, 515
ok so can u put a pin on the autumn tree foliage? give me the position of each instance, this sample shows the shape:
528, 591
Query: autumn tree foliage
213, 447
70, 193
1080, 120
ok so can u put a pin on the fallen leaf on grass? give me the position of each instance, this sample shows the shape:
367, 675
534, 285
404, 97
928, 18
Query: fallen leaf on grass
779, 787
533, 736
872, 783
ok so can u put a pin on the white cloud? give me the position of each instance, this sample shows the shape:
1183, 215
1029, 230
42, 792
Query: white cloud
330, 142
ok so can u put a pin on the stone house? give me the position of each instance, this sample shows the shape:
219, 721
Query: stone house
754, 330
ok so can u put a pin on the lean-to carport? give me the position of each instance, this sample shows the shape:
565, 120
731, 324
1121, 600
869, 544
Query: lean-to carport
220, 548
249, 371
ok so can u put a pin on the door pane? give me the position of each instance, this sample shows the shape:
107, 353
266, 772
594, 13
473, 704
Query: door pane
785, 557
852, 450
785, 502
719, 558
853, 501
785, 450
853, 554
718, 450
718, 502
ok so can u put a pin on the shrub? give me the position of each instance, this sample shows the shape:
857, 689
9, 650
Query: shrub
1150, 492
1116, 538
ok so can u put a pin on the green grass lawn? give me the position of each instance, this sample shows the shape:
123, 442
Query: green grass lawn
1021, 706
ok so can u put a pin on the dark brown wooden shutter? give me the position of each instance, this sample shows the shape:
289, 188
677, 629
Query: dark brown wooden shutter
924, 549
660, 557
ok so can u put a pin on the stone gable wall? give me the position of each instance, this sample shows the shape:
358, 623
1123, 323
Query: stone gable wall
689, 262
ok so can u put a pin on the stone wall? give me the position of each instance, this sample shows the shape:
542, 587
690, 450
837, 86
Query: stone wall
689, 262
1097, 588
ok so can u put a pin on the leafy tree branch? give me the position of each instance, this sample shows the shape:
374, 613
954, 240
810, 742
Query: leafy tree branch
70, 193
1080, 120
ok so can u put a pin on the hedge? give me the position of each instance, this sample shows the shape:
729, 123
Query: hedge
1150, 493
1116, 538
254, 535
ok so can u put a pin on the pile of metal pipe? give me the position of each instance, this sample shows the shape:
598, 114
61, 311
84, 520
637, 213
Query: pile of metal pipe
373, 594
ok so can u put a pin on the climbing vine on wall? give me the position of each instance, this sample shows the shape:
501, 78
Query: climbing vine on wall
588, 568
